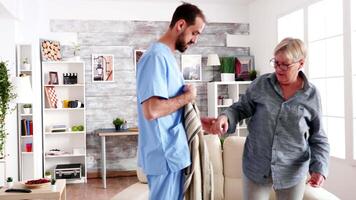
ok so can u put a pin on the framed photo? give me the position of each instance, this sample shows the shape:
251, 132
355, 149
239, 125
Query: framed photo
243, 66
50, 50
53, 78
102, 67
137, 55
191, 67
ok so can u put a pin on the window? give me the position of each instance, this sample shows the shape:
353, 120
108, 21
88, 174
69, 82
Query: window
353, 60
326, 67
291, 25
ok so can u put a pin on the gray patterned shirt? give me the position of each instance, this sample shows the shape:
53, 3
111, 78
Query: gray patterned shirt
286, 138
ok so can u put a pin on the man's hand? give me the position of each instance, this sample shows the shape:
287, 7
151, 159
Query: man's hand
207, 124
316, 179
221, 125
190, 91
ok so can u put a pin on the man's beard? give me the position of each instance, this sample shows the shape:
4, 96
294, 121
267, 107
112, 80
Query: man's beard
181, 45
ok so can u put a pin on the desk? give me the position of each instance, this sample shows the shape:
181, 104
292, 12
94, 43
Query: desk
44, 192
103, 133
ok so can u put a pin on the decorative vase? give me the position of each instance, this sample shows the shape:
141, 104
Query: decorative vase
117, 127
227, 77
53, 188
10, 184
27, 111
26, 67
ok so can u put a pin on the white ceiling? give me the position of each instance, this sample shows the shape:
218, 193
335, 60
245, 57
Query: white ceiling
239, 2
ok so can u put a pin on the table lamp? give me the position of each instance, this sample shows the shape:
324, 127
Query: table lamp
213, 60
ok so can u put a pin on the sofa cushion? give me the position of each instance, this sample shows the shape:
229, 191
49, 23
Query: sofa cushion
232, 156
215, 155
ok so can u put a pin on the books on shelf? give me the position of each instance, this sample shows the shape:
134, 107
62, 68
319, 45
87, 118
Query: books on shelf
26, 127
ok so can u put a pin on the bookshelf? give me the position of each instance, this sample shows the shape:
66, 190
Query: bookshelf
27, 136
227, 90
60, 116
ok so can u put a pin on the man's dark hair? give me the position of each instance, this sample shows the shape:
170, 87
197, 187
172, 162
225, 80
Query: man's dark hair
188, 12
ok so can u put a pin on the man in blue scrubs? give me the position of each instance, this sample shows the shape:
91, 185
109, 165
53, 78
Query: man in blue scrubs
161, 95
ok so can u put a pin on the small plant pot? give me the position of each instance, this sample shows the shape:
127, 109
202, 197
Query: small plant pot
117, 127
77, 58
26, 111
9, 184
227, 77
26, 67
53, 188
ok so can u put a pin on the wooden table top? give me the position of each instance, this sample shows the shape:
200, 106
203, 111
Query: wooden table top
44, 192
113, 132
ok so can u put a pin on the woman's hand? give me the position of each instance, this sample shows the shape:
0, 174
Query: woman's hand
207, 124
221, 125
316, 179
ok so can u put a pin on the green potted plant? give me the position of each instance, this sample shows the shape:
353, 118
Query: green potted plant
27, 108
227, 69
53, 184
6, 95
252, 74
48, 175
25, 64
117, 123
9, 182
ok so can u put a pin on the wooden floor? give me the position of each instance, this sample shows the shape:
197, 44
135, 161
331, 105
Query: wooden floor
93, 189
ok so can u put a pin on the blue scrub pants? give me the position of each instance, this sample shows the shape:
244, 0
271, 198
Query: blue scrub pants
166, 187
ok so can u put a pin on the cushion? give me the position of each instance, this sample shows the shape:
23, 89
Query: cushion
233, 150
233, 188
215, 155
232, 155
141, 175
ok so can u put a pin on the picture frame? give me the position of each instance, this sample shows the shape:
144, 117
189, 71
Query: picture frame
137, 55
244, 65
50, 50
102, 67
191, 67
53, 78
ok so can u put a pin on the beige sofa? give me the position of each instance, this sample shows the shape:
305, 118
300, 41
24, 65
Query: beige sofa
227, 167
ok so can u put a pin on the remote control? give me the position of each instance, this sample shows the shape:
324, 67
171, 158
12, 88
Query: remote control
18, 190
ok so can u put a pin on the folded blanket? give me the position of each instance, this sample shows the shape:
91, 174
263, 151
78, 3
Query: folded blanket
198, 183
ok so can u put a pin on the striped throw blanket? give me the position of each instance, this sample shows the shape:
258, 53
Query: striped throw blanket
198, 183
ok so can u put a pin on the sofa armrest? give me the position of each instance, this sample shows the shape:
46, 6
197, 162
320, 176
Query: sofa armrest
312, 193
137, 191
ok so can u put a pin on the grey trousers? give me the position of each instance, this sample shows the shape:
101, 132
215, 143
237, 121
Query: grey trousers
255, 191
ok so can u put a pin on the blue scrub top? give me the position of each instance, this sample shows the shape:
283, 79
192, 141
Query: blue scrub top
163, 146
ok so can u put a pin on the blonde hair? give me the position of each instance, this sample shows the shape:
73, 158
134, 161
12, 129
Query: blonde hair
293, 48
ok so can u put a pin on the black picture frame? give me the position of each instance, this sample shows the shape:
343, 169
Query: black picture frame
53, 78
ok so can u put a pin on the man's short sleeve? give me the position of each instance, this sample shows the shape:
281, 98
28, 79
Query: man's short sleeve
152, 78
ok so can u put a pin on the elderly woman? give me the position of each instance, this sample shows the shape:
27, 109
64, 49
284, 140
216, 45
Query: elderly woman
286, 139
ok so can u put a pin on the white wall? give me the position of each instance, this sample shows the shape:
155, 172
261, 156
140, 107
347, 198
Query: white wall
7, 53
10, 8
263, 26
139, 10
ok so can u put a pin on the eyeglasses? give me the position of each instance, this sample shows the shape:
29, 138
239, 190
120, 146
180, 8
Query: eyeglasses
283, 67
